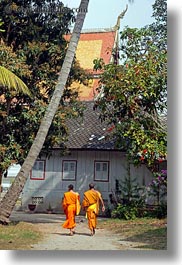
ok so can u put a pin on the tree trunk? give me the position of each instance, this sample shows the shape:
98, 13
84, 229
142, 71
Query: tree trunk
8, 202
1, 182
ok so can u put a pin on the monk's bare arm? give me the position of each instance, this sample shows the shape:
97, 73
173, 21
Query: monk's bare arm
103, 206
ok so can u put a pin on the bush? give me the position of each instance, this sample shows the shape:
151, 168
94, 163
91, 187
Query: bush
160, 211
130, 199
132, 211
125, 212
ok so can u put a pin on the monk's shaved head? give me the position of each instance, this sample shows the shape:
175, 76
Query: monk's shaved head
91, 185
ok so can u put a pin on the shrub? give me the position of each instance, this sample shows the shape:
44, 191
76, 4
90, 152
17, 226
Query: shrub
125, 212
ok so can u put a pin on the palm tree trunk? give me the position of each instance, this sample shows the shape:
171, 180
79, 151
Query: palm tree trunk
9, 200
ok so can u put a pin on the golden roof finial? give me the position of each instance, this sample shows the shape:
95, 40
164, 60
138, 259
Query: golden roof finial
117, 26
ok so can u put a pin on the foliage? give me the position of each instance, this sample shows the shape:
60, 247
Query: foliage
14, 62
134, 209
1, 23
129, 189
33, 48
18, 129
133, 95
49, 208
11, 86
132, 200
159, 26
9, 200
36, 31
158, 186
158, 211
11, 82
126, 212
34, 20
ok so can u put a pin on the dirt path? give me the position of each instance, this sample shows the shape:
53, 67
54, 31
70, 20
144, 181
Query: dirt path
57, 238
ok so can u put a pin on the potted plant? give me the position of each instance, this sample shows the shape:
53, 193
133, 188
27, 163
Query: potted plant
49, 209
31, 207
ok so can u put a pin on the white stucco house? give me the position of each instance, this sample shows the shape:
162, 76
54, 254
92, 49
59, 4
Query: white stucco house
91, 157
8, 177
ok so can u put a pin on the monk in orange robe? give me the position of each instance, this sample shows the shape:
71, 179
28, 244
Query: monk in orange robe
90, 204
71, 207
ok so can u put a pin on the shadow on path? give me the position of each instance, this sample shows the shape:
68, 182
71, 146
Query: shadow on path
67, 234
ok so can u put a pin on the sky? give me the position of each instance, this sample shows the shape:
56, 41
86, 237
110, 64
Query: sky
103, 13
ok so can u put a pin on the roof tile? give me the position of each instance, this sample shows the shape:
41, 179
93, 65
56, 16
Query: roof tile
88, 132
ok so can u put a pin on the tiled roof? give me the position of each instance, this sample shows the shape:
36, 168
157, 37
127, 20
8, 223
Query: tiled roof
88, 132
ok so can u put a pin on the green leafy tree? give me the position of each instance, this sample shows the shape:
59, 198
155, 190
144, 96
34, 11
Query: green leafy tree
133, 95
35, 29
32, 20
36, 59
8, 202
8, 148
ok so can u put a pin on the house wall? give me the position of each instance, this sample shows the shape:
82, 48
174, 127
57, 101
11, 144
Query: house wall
8, 179
51, 188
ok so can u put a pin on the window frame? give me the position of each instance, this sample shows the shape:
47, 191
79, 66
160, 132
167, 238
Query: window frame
108, 170
43, 172
75, 172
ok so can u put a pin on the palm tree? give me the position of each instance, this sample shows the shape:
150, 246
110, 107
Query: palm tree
1, 23
9, 200
14, 85
9, 81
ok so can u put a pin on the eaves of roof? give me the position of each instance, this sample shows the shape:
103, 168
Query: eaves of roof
88, 132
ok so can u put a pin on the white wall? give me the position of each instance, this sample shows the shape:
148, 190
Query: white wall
53, 186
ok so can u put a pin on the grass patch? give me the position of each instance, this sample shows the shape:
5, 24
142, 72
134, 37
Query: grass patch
144, 233
18, 236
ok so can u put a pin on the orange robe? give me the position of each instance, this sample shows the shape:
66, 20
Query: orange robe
70, 204
91, 205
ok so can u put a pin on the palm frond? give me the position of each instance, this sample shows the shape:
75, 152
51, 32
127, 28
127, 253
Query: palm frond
13, 83
1, 23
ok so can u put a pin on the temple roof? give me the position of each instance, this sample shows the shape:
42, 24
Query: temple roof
93, 44
89, 132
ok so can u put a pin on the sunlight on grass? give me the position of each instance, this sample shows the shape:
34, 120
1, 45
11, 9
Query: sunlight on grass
18, 236
150, 233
